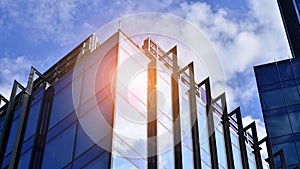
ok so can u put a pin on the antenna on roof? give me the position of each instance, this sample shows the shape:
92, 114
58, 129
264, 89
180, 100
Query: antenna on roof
119, 24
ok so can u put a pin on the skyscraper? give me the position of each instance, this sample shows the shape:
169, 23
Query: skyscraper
118, 105
278, 87
289, 10
279, 90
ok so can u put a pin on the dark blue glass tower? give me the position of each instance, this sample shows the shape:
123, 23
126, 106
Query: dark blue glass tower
279, 89
289, 10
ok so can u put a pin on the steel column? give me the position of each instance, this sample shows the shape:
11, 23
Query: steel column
42, 129
176, 111
27, 97
152, 115
8, 120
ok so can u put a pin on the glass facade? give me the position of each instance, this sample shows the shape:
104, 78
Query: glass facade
99, 115
290, 14
279, 90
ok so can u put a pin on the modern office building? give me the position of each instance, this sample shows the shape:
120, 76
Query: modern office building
118, 105
278, 87
289, 10
279, 90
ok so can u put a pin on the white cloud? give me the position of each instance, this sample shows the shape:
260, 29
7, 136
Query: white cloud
253, 38
242, 40
14, 69
241, 92
43, 20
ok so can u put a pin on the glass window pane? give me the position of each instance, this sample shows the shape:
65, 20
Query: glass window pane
292, 95
290, 151
272, 99
100, 162
12, 136
121, 162
25, 159
251, 158
295, 121
62, 105
18, 110
166, 159
38, 94
106, 69
83, 141
266, 74
94, 126
278, 125
298, 146
187, 157
285, 70
53, 156
32, 119
296, 67
237, 157
275, 112
221, 148
65, 80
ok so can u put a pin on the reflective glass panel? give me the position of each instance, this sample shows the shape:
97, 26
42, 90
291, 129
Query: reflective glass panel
272, 99
100, 162
25, 159
278, 125
295, 121
290, 151
53, 156
292, 95
83, 142
62, 105
12, 136
221, 147
266, 74
285, 70
32, 119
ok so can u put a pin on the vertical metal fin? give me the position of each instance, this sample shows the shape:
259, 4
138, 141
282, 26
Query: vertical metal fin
193, 115
42, 129
152, 115
226, 130
27, 97
256, 148
242, 140
8, 120
210, 122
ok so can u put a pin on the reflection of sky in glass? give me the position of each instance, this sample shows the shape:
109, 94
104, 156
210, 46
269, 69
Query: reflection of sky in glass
130, 138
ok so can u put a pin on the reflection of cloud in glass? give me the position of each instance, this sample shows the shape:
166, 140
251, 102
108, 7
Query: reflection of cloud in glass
129, 94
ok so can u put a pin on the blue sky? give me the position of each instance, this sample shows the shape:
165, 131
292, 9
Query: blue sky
244, 32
